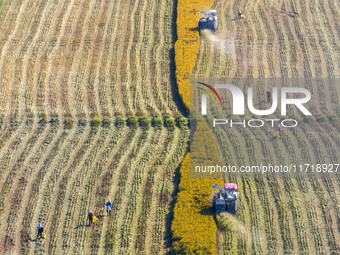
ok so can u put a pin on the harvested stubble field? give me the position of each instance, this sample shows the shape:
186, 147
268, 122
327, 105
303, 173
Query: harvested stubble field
64, 64
66, 67
280, 215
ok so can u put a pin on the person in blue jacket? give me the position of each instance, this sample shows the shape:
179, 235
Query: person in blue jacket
108, 206
40, 230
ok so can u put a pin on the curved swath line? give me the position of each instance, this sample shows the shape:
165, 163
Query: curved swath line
213, 90
209, 93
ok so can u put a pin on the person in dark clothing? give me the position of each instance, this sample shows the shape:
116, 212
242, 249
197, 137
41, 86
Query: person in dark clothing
269, 96
90, 217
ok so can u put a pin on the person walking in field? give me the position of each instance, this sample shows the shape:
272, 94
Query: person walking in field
40, 230
269, 96
279, 131
108, 206
90, 217
240, 15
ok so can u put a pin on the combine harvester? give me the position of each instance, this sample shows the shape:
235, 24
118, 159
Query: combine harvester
226, 199
209, 21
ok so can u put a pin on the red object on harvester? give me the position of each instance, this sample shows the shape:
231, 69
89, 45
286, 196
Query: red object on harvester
230, 186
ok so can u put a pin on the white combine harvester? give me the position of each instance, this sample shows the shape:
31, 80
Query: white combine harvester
209, 21
226, 200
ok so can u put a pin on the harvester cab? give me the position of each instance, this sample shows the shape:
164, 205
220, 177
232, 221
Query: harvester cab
226, 199
209, 21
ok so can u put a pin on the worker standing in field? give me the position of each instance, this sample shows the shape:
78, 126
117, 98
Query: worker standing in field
279, 131
239, 14
40, 230
269, 96
108, 207
90, 217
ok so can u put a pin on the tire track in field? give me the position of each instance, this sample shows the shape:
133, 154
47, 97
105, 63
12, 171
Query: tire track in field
200, 60
260, 46
287, 156
282, 64
294, 54
272, 43
8, 144
230, 23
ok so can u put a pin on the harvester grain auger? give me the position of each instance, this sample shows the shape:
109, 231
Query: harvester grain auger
226, 200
